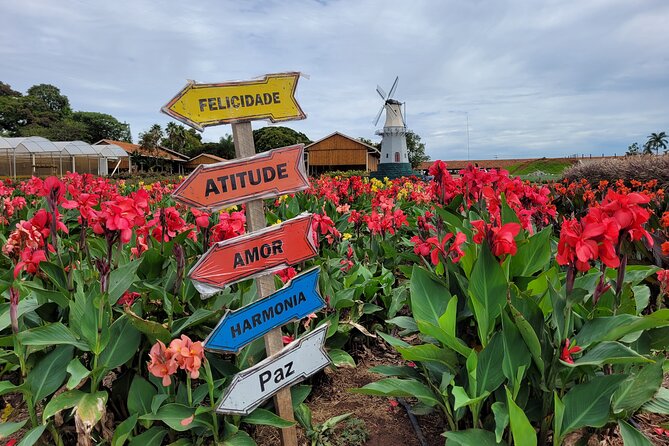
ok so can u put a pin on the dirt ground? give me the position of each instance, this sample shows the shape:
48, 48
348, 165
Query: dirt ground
387, 425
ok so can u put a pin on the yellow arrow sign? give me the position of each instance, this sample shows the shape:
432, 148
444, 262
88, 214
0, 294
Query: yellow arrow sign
204, 105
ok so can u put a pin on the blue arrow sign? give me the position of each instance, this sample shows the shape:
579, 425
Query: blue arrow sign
297, 299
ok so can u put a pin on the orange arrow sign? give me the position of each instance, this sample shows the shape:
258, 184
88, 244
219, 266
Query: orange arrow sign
250, 255
204, 105
270, 174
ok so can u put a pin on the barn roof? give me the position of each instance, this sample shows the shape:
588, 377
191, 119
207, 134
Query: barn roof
207, 155
367, 146
161, 152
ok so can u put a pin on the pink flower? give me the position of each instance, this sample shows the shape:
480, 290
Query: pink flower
286, 274
188, 355
287, 339
162, 365
128, 298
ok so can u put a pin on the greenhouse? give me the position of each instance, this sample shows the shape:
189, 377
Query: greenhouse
34, 155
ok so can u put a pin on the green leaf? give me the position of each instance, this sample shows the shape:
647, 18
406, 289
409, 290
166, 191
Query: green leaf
123, 343
449, 320
429, 352
50, 372
659, 403
8, 428
140, 395
489, 374
641, 297
49, 335
172, 415
303, 416
121, 278
31, 437
65, 400
557, 420
589, 404
610, 353
638, 388
340, 358
429, 296
124, 430
153, 330
200, 315
77, 373
516, 354
400, 387
402, 371
58, 297
523, 432
501, 419
613, 328
487, 289
56, 274
392, 340
445, 338
462, 399
152, 437
240, 438
529, 336
264, 416
533, 255
7, 387
25, 306
631, 436
470, 437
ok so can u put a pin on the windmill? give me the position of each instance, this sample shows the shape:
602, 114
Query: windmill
394, 161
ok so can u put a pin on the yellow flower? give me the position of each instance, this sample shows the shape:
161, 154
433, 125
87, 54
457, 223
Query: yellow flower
346, 236
282, 198
278, 222
230, 209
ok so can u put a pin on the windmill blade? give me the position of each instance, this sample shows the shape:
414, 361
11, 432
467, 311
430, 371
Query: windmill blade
381, 93
378, 116
392, 89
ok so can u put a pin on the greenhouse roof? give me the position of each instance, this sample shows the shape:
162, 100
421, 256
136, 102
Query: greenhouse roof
33, 144
75, 148
110, 151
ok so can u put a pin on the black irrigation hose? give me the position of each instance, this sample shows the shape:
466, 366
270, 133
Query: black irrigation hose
414, 422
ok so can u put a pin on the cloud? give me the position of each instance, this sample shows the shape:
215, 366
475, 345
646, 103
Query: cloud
535, 79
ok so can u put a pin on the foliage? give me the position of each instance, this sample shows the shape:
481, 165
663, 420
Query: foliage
416, 149
271, 137
633, 149
150, 139
45, 112
656, 141
521, 325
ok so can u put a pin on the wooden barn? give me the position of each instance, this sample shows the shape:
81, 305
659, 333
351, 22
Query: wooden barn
340, 152
202, 158
159, 159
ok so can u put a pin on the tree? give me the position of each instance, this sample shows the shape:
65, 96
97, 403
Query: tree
6, 90
180, 139
65, 130
102, 126
655, 142
50, 96
150, 140
271, 137
369, 142
633, 149
415, 149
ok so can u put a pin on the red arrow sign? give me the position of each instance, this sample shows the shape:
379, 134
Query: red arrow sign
250, 255
270, 174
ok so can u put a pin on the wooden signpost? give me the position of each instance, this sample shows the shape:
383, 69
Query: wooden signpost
248, 180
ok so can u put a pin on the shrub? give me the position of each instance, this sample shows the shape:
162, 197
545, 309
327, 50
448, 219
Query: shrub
640, 168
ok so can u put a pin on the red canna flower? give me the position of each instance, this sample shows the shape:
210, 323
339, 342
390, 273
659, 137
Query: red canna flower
665, 248
128, 298
567, 351
30, 261
286, 274
287, 339
503, 241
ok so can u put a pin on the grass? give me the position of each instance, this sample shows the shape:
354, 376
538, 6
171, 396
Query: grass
547, 166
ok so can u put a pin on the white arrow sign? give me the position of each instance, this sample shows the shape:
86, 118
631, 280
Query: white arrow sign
295, 362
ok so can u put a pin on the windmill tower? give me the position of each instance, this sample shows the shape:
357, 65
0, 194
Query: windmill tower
394, 161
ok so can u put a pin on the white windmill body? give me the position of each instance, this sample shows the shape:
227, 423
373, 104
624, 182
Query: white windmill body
394, 161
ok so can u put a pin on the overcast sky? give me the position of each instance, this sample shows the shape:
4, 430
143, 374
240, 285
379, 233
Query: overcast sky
534, 78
